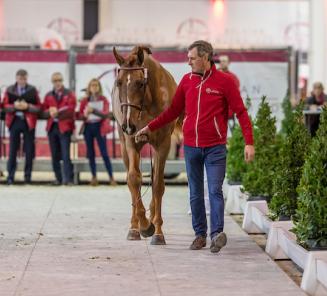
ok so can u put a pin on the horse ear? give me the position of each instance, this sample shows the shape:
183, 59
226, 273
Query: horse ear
119, 59
140, 56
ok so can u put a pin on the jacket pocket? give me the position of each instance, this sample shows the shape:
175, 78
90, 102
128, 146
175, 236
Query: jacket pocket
217, 127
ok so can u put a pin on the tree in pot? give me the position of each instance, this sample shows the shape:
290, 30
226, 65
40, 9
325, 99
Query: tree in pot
311, 216
236, 165
257, 180
292, 155
287, 121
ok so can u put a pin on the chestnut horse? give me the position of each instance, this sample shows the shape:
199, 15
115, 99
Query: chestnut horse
142, 90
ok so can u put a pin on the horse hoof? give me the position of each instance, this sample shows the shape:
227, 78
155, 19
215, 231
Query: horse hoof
148, 232
133, 235
158, 239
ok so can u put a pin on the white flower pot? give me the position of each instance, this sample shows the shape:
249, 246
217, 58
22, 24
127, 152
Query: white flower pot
235, 199
255, 217
281, 244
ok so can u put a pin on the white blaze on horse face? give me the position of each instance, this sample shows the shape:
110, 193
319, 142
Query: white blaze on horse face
128, 129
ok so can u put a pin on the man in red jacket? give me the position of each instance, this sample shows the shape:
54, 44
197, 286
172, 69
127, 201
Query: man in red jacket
60, 103
22, 104
205, 95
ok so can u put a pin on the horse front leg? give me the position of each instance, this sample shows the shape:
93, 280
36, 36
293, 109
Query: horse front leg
133, 232
134, 181
158, 189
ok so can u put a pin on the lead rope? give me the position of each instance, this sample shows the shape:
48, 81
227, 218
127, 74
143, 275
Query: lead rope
150, 182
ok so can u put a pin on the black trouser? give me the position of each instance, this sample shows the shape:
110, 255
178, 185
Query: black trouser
60, 150
18, 127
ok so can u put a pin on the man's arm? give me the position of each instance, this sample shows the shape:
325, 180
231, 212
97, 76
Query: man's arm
174, 110
236, 104
7, 106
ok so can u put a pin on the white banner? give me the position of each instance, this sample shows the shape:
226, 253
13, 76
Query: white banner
257, 79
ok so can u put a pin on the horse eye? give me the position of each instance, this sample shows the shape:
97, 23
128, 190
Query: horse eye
140, 84
119, 83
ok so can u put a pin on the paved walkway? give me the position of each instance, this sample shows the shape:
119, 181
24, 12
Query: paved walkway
71, 241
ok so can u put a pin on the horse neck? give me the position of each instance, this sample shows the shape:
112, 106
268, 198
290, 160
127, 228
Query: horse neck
154, 85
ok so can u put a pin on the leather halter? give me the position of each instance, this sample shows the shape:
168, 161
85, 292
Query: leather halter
145, 80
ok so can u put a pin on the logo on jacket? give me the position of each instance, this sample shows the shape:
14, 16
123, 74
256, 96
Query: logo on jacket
212, 91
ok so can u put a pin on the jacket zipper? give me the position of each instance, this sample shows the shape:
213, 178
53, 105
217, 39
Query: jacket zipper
198, 114
217, 127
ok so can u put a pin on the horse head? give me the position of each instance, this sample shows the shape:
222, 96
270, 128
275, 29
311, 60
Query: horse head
132, 84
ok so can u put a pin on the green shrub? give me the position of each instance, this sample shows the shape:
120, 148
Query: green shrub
257, 180
311, 216
287, 121
292, 155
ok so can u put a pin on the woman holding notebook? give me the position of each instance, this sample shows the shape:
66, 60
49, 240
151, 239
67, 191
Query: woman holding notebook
94, 110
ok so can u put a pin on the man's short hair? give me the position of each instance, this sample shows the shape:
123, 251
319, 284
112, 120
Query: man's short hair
56, 74
203, 48
21, 72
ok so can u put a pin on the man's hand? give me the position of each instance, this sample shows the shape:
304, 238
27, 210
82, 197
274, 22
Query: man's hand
24, 105
142, 135
249, 153
53, 111
17, 105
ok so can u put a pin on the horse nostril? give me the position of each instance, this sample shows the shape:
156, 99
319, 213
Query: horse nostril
133, 129
124, 127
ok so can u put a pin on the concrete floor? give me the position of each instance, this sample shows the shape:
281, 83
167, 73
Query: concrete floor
71, 241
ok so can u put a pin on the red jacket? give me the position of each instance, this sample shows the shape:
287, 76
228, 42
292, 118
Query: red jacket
8, 105
205, 100
105, 125
66, 105
238, 84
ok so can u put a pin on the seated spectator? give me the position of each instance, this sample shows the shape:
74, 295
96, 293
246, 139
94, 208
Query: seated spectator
94, 110
318, 97
315, 101
60, 104
22, 105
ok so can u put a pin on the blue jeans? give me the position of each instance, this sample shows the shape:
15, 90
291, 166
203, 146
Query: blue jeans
214, 160
91, 132
60, 150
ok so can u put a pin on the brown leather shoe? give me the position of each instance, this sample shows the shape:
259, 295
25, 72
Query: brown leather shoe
218, 242
112, 182
94, 182
198, 243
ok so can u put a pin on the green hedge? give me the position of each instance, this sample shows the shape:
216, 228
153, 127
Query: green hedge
311, 216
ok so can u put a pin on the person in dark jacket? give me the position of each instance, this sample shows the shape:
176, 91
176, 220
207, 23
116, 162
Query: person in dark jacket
60, 104
94, 110
22, 105
205, 95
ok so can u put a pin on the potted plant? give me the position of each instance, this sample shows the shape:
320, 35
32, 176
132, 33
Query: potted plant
292, 155
306, 242
311, 215
257, 180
